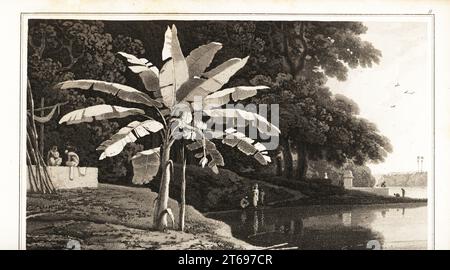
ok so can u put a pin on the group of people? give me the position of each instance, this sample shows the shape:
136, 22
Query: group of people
54, 158
258, 197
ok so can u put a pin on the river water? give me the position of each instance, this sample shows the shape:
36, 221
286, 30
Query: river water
332, 227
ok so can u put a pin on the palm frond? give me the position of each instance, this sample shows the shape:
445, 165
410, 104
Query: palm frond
147, 71
98, 112
128, 134
121, 91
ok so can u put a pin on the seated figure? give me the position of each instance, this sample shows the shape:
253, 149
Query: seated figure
72, 158
53, 158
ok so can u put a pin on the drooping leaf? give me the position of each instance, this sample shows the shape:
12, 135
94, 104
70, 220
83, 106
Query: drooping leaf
247, 146
216, 78
211, 150
224, 96
199, 59
98, 112
147, 71
121, 91
238, 115
145, 166
128, 134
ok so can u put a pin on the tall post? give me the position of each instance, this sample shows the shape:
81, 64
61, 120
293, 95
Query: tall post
421, 164
418, 163
183, 190
41, 133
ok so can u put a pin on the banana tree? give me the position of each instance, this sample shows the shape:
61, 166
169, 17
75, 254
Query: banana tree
178, 93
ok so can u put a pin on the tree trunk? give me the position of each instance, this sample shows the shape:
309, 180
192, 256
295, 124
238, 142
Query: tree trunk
287, 157
279, 166
302, 161
183, 190
41, 133
160, 217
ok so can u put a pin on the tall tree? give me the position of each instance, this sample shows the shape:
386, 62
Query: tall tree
183, 88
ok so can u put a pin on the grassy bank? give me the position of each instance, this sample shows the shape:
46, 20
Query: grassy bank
116, 217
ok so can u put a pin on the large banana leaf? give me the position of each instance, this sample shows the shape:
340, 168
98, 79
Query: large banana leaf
147, 71
239, 115
175, 72
128, 134
247, 146
224, 96
121, 91
145, 165
200, 59
216, 78
98, 112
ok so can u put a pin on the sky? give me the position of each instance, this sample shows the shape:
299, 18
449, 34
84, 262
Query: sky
406, 61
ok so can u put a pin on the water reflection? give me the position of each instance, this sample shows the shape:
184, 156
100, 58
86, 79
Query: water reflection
329, 227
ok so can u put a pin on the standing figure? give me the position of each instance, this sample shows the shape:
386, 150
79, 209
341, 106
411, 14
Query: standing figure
403, 192
262, 197
53, 158
255, 192
72, 160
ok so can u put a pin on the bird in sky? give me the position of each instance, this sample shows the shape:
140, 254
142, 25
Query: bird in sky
408, 92
397, 85
393, 106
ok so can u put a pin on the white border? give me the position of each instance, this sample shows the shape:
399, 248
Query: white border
257, 17
10, 105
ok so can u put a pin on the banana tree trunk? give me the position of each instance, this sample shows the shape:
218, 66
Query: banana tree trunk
160, 217
183, 191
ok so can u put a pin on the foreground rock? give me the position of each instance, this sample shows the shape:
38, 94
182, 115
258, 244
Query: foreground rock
116, 217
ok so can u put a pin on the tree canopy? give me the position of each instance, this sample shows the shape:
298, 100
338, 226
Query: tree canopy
61, 50
293, 58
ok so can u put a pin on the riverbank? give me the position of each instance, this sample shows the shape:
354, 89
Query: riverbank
117, 217
120, 217
210, 192
317, 193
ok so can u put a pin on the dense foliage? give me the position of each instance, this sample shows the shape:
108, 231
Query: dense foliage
293, 58
62, 50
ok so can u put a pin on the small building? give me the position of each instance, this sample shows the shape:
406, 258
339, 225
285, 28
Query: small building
348, 179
